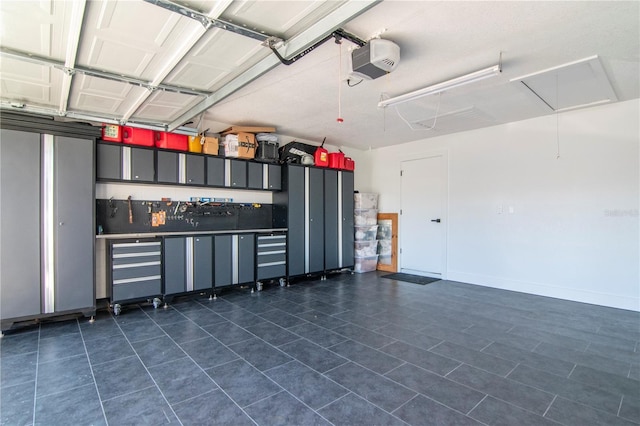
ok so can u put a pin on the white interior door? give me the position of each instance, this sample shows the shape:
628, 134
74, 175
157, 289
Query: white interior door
422, 221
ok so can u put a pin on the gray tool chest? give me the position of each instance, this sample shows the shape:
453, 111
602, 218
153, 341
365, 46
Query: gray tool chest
271, 255
136, 269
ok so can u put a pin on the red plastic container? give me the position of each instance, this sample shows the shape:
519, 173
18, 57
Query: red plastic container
336, 160
321, 156
349, 164
111, 133
135, 136
169, 140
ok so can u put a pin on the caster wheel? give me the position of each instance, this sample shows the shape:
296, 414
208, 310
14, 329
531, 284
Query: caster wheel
156, 303
117, 309
259, 286
282, 282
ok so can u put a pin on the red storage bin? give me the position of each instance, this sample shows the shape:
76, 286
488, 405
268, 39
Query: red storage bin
349, 164
169, 140
136, 136
111, 133
336, 160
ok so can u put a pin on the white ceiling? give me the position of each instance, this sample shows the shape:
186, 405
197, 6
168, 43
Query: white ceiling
138, 62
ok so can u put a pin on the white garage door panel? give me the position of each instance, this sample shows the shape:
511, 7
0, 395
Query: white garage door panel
99, 95
38, 27
165, 106
196, 76
113, 28
30, 83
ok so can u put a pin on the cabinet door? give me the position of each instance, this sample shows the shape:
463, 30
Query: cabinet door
142, 164
316, 220
223, 261
215, 171
74, 232
347, 219
238, 174
275, 177
331, 219
296, 219
246, 258
167, 167
202, 263
109, 161
254, 175
174, 264
195, 169
20, 225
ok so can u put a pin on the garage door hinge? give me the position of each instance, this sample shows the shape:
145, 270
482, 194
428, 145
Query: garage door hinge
400, 173
400, 212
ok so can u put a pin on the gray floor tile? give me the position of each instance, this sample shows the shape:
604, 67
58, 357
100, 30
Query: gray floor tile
470, 341
373, 387
104, 326
17, 369
243, 382
571, 413
424, 411
57, 329
411, 337
320, 319
157, 351
364, 336
607, 381
181, 379
634, 371
208, 352
353, 410
144, 406
182, 332
131, 314
228, 333
108, 349
630, 409
120, 377
64, 374
19, 343
204, 317
541, 362
142, 329
318, 335
547, 337
440, 389
16, 404
597, 362
493, 411
55, 348
166, 316
420, 357
364, 321
241, 317
72, 407
281, 318
271, 333
261, 355
370, 358
307, 385
477, 359
504, 337
312, 355
213, 408
507, 390
571, 389
617, 353
284, 410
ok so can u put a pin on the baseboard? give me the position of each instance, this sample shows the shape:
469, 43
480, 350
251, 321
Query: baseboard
540, 289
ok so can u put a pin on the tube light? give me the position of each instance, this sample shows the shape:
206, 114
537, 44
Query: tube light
441, 87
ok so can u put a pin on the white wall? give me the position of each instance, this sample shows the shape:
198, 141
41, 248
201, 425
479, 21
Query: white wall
574, 230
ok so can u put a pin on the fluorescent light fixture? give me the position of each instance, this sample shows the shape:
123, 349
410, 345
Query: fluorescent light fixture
441, 87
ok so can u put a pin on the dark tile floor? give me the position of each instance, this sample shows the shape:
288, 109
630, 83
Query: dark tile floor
352, 350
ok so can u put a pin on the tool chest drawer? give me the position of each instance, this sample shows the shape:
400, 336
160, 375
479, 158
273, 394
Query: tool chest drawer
136, 269
271, 255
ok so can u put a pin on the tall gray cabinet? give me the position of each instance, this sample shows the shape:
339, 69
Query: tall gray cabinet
316, 205
47, 229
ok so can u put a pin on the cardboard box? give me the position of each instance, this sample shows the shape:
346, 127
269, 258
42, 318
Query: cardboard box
242, 145
248, 129
210, 145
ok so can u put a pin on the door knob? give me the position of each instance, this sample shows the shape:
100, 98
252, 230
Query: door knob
436, 220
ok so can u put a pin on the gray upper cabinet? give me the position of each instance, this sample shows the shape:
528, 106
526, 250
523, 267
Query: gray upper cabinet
167, 167
238, 173
215, 171
254, 175
142, 167
194, 174
275, 177
109, 161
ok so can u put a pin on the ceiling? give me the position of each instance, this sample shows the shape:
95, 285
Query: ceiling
134, 61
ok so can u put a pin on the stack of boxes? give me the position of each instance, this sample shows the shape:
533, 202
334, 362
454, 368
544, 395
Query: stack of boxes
366, 229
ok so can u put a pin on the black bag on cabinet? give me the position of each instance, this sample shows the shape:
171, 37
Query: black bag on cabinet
294, 151
267, 152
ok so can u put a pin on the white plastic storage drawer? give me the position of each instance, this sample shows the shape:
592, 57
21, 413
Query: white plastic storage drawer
364, 217
364, 200
366, 233
366, 248
366, 264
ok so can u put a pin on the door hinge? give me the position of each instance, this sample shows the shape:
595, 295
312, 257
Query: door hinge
400, 173
401, 251
400, 212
